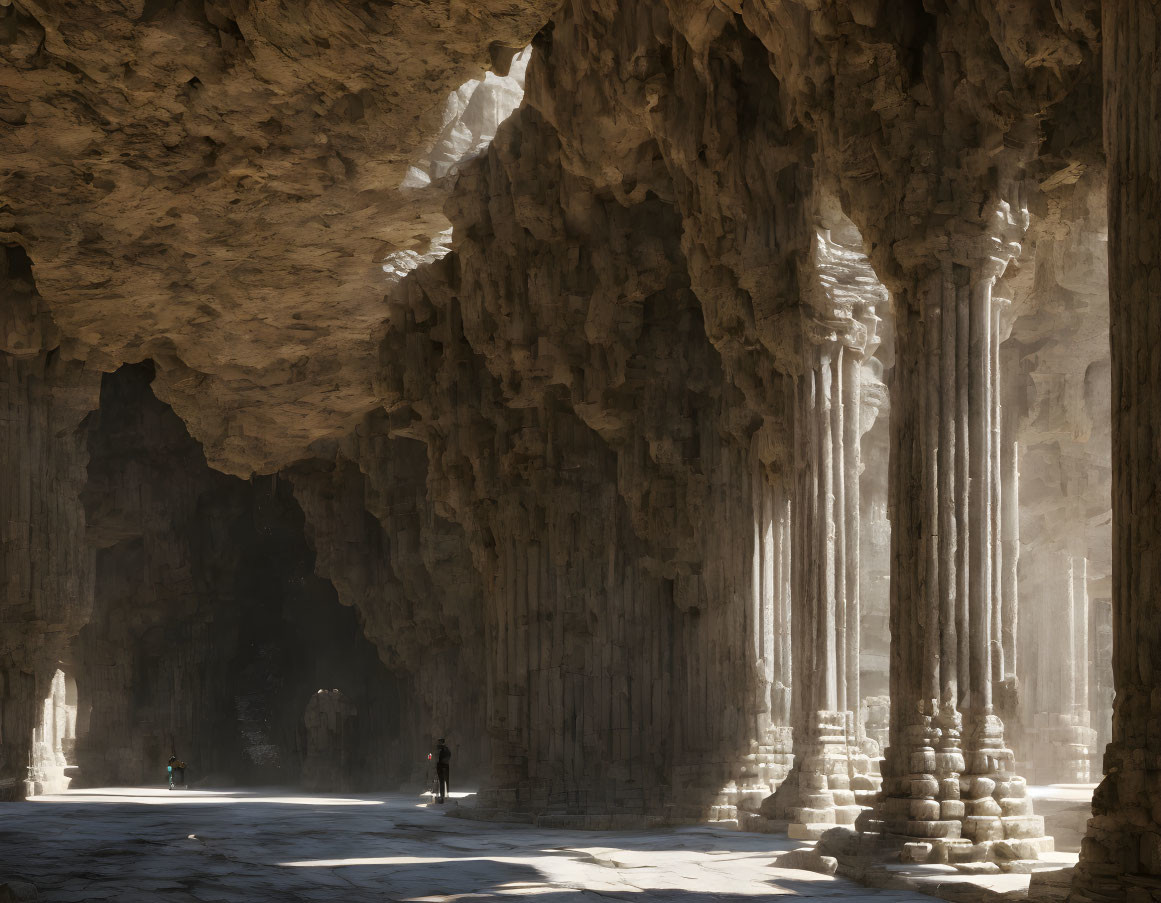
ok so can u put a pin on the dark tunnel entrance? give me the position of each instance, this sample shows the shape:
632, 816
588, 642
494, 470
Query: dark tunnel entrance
209, 625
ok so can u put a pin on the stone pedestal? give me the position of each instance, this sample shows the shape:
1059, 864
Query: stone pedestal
921, 804
834, 780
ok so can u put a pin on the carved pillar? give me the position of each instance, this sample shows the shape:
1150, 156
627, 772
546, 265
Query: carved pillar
1121, 854
768, 626
1060, 736
928, 612
1082, 734
850, 457
1010, 544
831, 780
781, 734
874, 558
947, 617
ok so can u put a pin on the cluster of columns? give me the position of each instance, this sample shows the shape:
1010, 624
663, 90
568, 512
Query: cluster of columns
769, 761
949, 785
834, 778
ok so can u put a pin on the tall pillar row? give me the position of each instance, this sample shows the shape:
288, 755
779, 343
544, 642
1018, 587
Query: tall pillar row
1120, 858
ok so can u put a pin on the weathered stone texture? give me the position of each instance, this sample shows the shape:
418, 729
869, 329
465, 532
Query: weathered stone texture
46, 570
1120, 856
225, 182
409, 574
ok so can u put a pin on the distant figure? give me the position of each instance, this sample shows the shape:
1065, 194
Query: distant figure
176, 769
443, 769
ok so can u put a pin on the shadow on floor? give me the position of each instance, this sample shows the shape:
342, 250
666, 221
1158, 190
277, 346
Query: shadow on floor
269, 845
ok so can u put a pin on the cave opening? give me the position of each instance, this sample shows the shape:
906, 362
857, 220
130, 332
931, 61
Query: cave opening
209, 627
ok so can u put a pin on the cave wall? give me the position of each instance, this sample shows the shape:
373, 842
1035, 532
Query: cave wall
46, 570
409, 574
582, 431
595, 664
600, 529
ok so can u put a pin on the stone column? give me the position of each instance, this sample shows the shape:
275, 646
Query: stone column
874, 558
996, 807
850, 457
1059, 735
1101, 686
768, 626
1083, 736
947, 800
1010, 544
1121, 855
831, 780
928, 611
778, 580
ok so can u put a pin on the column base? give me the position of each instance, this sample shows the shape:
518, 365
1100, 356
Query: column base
1060, 748
833, 781
1120, 857
997, 808
759, 774
944, 805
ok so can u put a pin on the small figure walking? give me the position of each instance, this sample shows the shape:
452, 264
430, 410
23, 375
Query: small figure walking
443, 769
176, 769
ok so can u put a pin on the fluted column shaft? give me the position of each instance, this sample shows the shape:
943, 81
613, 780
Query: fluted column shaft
829, 782
1121, 854
947, 616
768, 759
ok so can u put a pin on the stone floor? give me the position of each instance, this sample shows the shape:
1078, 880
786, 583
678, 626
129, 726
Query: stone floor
133, 845
1066, 809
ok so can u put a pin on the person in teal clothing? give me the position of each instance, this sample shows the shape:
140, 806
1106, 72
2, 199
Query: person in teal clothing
176, 769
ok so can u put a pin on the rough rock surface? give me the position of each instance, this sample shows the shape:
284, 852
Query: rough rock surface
46, 568
225, 182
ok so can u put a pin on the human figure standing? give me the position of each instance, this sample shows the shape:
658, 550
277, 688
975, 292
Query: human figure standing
176, 769
443, 769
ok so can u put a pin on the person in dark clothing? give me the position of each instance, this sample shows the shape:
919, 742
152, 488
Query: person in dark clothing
443, 769
176, 769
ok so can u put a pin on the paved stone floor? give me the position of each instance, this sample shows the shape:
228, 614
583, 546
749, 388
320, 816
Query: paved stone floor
1066, 809
137, 845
